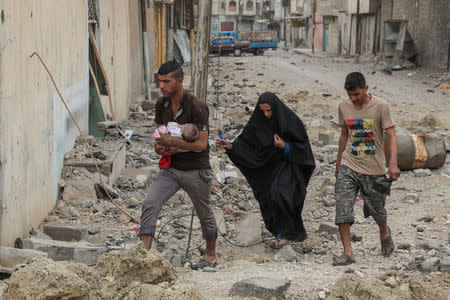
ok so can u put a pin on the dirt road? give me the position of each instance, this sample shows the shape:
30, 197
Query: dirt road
312, 87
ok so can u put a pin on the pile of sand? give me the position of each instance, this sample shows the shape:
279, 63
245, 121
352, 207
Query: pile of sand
393, 286
43, 278
136, 264
132, 274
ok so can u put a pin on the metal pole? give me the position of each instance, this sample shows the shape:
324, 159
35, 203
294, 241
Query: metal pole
201, 49
314, 26
358, 30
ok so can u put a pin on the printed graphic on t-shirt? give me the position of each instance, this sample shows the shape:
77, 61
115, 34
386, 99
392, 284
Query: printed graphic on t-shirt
361, 136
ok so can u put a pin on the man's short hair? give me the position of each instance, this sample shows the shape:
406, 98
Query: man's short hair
171, 67
354, 81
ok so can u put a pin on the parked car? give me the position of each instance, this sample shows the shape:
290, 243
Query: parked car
259, 40
227, 45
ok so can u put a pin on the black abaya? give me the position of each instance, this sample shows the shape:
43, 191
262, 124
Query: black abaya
278, 179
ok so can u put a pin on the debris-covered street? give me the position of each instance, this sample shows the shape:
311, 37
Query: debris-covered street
418, 207
222, 149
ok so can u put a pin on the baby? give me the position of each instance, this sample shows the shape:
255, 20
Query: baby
188, 132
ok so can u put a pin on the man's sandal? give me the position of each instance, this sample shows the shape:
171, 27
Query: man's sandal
203, 263
387, 246
343, 260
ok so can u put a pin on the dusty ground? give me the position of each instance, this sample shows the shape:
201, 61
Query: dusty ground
412, 94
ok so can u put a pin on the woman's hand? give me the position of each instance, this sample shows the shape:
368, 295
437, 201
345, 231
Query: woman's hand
224, 144
278, 142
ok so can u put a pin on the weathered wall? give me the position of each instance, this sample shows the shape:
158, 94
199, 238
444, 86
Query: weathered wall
115, 53
428, 24
137, 84
35, 131
333, 33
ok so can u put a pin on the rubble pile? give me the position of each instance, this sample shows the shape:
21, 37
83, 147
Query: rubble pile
130, 274
392, 286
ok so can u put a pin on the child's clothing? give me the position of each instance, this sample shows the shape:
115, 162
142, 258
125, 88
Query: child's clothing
175, 130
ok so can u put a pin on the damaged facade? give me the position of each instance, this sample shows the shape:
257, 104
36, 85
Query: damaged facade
282, 16
344, 27
35, 129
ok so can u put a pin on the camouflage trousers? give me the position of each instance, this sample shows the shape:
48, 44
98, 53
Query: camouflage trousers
348, 184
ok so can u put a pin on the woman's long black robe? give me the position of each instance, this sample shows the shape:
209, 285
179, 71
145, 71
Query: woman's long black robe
278, 180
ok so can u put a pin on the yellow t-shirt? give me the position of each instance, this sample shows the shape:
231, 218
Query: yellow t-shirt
364, 152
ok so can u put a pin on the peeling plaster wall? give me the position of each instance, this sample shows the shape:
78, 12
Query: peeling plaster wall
137, 84
34, 130
115, 53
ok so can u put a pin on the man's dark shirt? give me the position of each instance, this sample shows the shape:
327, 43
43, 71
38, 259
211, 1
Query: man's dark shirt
192, 111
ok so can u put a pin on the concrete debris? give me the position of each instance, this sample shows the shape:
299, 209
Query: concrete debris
9, 257
59, 250
65, 231
391, 286
34, 232
287, 253
328, 227
42, 278
422, 172
249, 229
260, 287
416, 206
136, 264
115, 277
326, 138
82, 188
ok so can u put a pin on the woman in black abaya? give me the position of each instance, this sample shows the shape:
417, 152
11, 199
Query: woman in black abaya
274, 154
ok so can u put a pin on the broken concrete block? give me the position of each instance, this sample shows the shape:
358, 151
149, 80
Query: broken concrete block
110, 167
34, 232
328, 227
65, 231
82, 187
326, 138
330, 158
148, 105
88, 255
249, 230
430, 265
422, 172
107, 124
444, 265
9, 257
82, 252
286, 253
260, 287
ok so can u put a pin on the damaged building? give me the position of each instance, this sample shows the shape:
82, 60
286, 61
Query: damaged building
344, 27
101, 40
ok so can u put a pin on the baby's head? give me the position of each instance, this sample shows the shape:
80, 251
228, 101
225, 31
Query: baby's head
189, 132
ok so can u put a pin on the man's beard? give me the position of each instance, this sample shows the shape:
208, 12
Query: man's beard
173, 92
